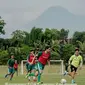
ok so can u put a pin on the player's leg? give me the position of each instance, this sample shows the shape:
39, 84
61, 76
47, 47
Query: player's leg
73, 76
33, 72
12, 73
28, 70
11, 76
30, 74
72, 73
16, 70
9, 73
66, 67
40, 68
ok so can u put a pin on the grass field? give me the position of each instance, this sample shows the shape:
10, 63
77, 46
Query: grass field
80, 78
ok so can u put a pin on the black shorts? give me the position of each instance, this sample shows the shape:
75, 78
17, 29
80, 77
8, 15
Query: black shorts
15, 69
73, 68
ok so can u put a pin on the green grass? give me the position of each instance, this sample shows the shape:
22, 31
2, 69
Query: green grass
80, 78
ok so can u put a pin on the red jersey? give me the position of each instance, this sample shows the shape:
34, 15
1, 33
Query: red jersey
30, 58
15, 65
44, 57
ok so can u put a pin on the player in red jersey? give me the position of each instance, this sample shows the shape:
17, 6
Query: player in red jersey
16, 67
44, 57
31, 60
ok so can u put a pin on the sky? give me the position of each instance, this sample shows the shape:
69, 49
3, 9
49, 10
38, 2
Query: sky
17, 13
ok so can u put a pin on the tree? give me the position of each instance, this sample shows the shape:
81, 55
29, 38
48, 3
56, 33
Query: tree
2, 24
27, 38
55, 34
64, 34
18, 37
55, 50
3, 57
1, 43
81, 45
68, 50
48, 36
35, 35
20, 53
78, 36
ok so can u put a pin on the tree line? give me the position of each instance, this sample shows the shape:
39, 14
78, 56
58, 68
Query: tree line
21, 42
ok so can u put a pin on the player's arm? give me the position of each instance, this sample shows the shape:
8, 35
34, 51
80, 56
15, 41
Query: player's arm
33, 59
70, 60
48, 62
81, 62
39, 54
28, 62
8, 63
28, 59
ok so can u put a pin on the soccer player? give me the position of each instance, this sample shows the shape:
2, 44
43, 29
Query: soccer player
75, 61
10, 63
44, 57
16, 67
31, 60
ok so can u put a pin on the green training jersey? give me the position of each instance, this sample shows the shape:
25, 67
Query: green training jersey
11, 62
39, 54
75, 60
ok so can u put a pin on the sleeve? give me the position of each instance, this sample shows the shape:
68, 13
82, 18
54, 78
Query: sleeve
81, 61
49, 56
39, 54
8, 62
14, 61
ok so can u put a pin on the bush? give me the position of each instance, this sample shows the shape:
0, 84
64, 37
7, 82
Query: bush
3, 57
55, 55
68, 50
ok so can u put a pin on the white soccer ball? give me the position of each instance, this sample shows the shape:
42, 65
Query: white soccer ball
63, 81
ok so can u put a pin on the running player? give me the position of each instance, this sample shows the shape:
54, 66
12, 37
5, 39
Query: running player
44, 57
10, 62
31, 60
75, 61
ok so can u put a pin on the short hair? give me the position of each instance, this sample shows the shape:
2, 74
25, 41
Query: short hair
77, 49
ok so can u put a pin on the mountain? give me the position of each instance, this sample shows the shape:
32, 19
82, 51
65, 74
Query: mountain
59, 17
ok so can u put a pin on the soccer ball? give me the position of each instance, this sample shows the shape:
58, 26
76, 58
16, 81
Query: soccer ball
63, 81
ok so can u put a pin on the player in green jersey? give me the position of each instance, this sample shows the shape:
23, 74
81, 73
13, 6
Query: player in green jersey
30, 65
75, 61
10, 63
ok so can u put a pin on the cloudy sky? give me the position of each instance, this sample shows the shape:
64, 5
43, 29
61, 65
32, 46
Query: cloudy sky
17, 13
